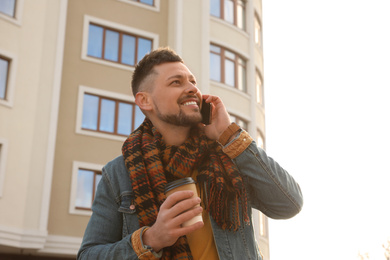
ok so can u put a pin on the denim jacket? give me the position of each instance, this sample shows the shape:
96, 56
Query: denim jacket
270, 189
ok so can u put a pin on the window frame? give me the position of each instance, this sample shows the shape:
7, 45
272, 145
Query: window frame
105, 94
259, 135
237, 66
263, 225
236, 3
11, 77
17, 18
117, 28
259, 75
234, 117
258, 21
155, 7
77, 165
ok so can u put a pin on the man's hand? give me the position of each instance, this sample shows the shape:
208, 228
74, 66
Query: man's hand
220, 119
176, 209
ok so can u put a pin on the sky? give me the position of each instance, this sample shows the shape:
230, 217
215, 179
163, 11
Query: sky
327, 101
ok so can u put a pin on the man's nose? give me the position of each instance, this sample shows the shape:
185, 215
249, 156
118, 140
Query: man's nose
191, 88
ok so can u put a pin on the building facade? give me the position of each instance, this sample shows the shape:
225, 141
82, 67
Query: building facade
66, 104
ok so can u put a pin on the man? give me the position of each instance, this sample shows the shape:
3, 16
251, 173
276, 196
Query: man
133, 219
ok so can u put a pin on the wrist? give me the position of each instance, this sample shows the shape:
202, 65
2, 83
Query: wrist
229, 134
142, 249
148, 241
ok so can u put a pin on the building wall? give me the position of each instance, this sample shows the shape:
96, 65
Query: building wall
44, 116
27, 124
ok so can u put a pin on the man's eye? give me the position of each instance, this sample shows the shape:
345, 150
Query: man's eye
175, 82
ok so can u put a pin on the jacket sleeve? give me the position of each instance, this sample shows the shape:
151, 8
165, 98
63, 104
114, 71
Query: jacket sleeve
270, 188
103, 235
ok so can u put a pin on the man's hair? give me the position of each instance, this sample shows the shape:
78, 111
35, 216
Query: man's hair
145, 67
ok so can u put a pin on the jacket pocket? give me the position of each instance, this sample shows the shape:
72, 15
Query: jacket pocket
126, 203
129, 216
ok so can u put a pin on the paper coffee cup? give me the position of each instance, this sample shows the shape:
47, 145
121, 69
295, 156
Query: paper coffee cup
184, 184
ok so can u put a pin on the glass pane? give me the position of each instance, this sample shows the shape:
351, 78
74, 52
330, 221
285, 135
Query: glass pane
229, 11
144, 47
111, 45
124, 118
215, 67
107, 116
240, 17
128, 50
229, 73
97, 180
242, 123
90, 112
8, 7
215, 49
259, 89
148, 2
257, 31
215, 8
84, 188
230, 55
3, 77
260, 141
139, 117
95, 41
241, 78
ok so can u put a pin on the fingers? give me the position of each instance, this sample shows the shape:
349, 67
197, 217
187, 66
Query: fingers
180, 202
175, 197
178, 208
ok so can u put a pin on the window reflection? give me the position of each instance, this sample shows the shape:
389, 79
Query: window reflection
4, 65
8, 7
119, 47
107, 115
87, 182
227, 67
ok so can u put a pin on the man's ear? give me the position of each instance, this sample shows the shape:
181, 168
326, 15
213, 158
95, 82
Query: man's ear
143, 100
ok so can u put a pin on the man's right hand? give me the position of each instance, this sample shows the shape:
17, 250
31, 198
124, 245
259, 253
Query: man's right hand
178, 208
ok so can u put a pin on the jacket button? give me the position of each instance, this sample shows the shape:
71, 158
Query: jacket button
132, 207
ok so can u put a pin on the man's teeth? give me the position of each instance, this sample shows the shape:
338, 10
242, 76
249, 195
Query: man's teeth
190, 103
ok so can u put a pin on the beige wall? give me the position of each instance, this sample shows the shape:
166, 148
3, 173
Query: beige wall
33, 43
72, 146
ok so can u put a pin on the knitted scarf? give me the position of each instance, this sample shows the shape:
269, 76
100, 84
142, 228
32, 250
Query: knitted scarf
152, 164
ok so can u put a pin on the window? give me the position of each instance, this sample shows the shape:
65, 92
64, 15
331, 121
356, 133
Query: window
87, 182
4, 75
259, 89
232, 11
116, 46
153, 5
107, 115
147, 2
7, 7
239, 121
227, 67
263, 225
258, 33
260, 139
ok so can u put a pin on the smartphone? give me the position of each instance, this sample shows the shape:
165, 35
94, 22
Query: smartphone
206, 112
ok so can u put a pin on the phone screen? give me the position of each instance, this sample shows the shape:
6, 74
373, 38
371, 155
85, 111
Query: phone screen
206, 113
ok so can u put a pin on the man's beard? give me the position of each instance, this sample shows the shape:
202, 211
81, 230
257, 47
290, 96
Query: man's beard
180, 119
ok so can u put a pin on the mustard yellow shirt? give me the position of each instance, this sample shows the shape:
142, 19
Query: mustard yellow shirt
201, 241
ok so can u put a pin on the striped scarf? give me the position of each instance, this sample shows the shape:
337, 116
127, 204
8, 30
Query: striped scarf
152, 164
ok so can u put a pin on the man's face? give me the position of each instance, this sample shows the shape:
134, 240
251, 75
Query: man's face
176, 99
